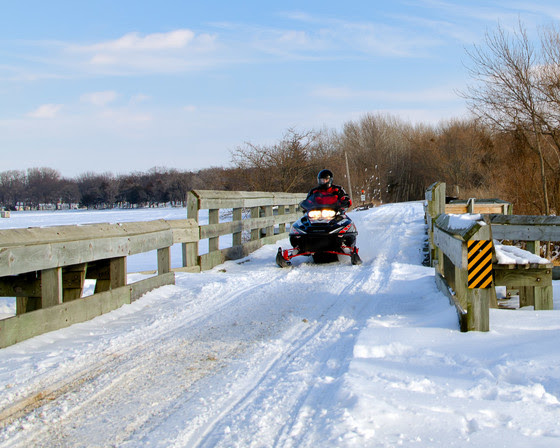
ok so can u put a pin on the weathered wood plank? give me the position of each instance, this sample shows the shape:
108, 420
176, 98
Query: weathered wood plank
237, 235
214, 199
51, 287
117, 272
138, 289
451, 246
27, 303
164, 260
213, 219
478, 208
522, 276
50, 235
23, 285
529, 220
226, 228
543, 298
478, 310
184, 230
471, 230
16, 260
73, 278
25, 326
150, 241
526, 232
190, 269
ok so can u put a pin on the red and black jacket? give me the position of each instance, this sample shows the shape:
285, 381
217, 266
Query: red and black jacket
330, 195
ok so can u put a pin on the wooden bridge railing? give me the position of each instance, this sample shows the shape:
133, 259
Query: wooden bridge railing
45, 268
267, 211
436, 205
449, 249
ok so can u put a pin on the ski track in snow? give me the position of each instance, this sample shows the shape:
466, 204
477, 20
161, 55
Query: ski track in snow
251, 355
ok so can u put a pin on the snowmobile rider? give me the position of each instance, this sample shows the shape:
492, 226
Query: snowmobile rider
325, 188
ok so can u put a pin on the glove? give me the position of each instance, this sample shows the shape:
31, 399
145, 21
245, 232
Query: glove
345, 201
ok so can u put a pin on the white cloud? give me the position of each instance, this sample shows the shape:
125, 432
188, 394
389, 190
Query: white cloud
99, 98
135, 42
45, 111
133, 53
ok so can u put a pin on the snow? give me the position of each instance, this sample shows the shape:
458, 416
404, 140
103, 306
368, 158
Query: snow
514, 255
464, 221
251, 355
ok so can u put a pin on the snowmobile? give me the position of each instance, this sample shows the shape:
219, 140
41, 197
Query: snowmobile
324, 232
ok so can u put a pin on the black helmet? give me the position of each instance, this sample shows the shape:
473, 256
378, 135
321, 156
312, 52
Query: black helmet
325, 178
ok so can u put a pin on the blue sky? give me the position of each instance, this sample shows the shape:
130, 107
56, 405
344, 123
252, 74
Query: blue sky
121, 86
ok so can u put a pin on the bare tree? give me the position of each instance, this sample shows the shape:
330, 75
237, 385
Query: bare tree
12, 187
43, 185
284, 166
507, 94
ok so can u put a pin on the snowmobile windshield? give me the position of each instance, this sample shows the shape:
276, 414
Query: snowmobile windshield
320, 200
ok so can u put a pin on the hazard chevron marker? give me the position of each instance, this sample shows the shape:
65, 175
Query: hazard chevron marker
479, 267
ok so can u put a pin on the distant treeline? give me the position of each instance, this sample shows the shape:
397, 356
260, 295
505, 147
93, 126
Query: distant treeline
389, 160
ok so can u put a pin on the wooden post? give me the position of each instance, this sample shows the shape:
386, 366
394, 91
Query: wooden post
26, 304
461, 278
268, 212
117, 269
478, 305
255, 233
190, 250
534, 247
281, 212
73, 278
237, 236
435, 198
51, 287
164, 260
109, 274
213, 218
543, 298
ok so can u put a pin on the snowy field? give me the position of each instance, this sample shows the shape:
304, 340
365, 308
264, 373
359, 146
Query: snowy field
251, 355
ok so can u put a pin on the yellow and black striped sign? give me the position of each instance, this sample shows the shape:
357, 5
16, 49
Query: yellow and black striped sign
479, 267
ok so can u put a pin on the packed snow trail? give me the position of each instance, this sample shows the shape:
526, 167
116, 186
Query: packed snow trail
249, 354
245, 353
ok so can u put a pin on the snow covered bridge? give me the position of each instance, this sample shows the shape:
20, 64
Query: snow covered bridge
247, 354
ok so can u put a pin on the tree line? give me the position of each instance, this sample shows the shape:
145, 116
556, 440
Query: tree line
509, 148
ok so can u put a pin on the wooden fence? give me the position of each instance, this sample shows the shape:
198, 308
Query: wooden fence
449, 245
46, 268
269, 214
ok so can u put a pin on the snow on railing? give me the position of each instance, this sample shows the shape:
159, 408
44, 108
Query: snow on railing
451, 235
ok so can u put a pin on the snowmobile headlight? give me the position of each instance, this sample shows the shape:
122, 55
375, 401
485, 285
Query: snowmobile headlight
326, 214
314, 214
